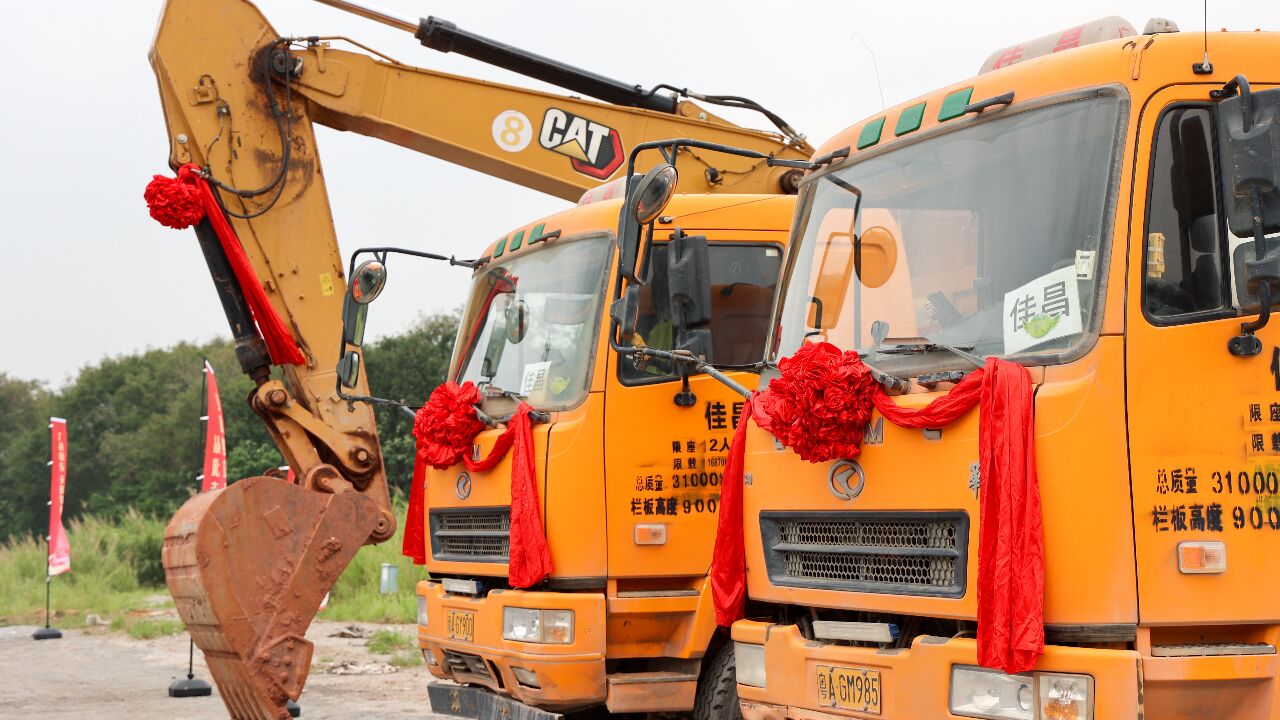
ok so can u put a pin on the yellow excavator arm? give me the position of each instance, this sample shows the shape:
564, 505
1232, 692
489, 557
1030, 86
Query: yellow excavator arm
249, 565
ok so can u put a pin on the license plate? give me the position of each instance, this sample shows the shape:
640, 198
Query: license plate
460, 624
849, 688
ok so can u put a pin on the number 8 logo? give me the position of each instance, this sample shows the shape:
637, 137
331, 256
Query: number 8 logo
512, 130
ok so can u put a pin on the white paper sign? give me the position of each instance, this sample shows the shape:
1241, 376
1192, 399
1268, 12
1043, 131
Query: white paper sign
535, 378
1044, 309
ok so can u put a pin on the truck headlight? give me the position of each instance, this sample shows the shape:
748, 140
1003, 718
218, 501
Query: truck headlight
537, 626
422, 611
748, 659
980, 693
521, 624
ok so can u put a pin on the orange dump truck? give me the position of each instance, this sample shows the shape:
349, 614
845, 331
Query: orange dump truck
1107, 217
628, 461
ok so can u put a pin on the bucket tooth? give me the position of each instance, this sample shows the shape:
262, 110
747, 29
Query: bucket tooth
248, 566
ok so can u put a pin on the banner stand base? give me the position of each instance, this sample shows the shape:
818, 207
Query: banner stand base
189, 687
47, 633
294, 710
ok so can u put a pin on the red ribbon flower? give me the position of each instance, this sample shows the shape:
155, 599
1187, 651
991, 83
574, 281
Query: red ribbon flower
447, 424
821, 404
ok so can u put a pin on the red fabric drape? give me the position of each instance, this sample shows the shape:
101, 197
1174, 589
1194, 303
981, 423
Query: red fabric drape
529, 561
415, 536
186, 200
445, 427
729, 558
1010, 534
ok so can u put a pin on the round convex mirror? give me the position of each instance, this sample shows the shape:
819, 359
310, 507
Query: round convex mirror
652, 193
517, 321
369, 279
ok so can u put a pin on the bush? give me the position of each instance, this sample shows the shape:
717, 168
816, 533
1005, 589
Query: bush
115, 567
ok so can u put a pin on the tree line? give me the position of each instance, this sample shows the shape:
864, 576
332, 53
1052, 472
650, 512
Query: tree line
134, 436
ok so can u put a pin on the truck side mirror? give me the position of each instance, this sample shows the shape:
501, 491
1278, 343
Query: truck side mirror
646, 199
366, 284
1249, 141
689, 281
1249, 150
349, 369
689, 296
625, 311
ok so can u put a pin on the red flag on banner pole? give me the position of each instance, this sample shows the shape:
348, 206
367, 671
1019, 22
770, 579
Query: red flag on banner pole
59, 547
215, 436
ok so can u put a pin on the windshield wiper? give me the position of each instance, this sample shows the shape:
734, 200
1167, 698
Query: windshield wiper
489, 391
932, 346
880, 330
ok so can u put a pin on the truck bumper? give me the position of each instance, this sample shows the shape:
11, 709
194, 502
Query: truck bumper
914, 682
566, 675
470, 702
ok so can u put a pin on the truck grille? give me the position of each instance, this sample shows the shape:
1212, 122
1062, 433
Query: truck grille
471, 535
460, 663
895, 553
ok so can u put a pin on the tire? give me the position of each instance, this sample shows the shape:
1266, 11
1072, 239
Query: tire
717, 695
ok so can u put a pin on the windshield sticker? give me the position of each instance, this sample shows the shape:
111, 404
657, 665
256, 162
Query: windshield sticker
1085, 260
535, 378
1043, 310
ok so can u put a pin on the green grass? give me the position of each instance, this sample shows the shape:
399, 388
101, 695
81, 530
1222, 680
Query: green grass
115, 569
151, 628
355, 597
386, 642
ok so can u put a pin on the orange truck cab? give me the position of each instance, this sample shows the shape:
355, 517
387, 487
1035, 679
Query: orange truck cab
1108, 217
628, 468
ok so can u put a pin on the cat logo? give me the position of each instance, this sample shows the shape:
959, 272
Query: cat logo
593, 149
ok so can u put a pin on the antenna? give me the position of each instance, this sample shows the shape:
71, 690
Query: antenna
876, 67
1205, 67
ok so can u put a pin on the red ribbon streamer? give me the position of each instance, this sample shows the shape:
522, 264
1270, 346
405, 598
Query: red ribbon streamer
1010, 535
445, 428
186, 200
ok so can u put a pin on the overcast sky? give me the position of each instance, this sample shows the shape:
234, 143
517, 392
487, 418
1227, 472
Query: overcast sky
91, 275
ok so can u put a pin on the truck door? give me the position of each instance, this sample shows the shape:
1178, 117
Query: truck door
664, 461
1203, 424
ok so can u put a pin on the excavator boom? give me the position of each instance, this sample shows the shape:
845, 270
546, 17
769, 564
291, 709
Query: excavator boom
249, 564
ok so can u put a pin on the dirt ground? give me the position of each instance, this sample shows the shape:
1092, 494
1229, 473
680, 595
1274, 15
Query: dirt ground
92, 673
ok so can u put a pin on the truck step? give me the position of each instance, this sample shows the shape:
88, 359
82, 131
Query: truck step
653, 691
461, 701
1214, 649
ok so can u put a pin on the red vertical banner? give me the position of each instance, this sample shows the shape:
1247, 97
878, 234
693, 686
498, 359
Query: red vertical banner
59, 547
215, 436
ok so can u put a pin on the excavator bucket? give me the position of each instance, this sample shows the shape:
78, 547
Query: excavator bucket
247, 567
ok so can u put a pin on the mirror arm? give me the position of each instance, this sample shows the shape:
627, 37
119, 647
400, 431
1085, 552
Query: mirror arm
1238, 83
698, 365
381, 254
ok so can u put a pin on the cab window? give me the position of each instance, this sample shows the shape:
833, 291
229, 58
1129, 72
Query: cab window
1183, 272
743, 280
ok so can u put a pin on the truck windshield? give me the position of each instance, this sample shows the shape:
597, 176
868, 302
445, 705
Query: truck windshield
530, 323
986, 239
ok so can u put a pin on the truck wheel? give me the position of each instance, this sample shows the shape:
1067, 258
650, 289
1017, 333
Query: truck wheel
717, 695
